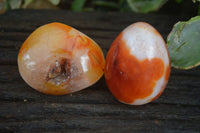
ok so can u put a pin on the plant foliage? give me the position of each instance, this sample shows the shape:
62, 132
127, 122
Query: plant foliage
184, 44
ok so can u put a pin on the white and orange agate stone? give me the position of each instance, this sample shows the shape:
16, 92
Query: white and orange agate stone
57, 59
137, 65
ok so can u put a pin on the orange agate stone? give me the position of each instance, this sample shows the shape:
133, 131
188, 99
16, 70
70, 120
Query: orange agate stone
57, 59
137, 65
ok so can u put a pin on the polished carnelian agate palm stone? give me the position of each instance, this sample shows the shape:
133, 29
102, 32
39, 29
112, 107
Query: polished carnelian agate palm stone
57, 59
137, 65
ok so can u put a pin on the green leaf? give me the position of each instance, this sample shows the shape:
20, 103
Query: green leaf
14, 4
105, 4
55, 2
194, 1
121, 2
145, 6
179, 1
27, 2
77, 5
7, 5
184, 44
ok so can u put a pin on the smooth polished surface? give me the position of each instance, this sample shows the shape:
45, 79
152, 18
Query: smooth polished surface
57, 59
137, 65
93, 109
